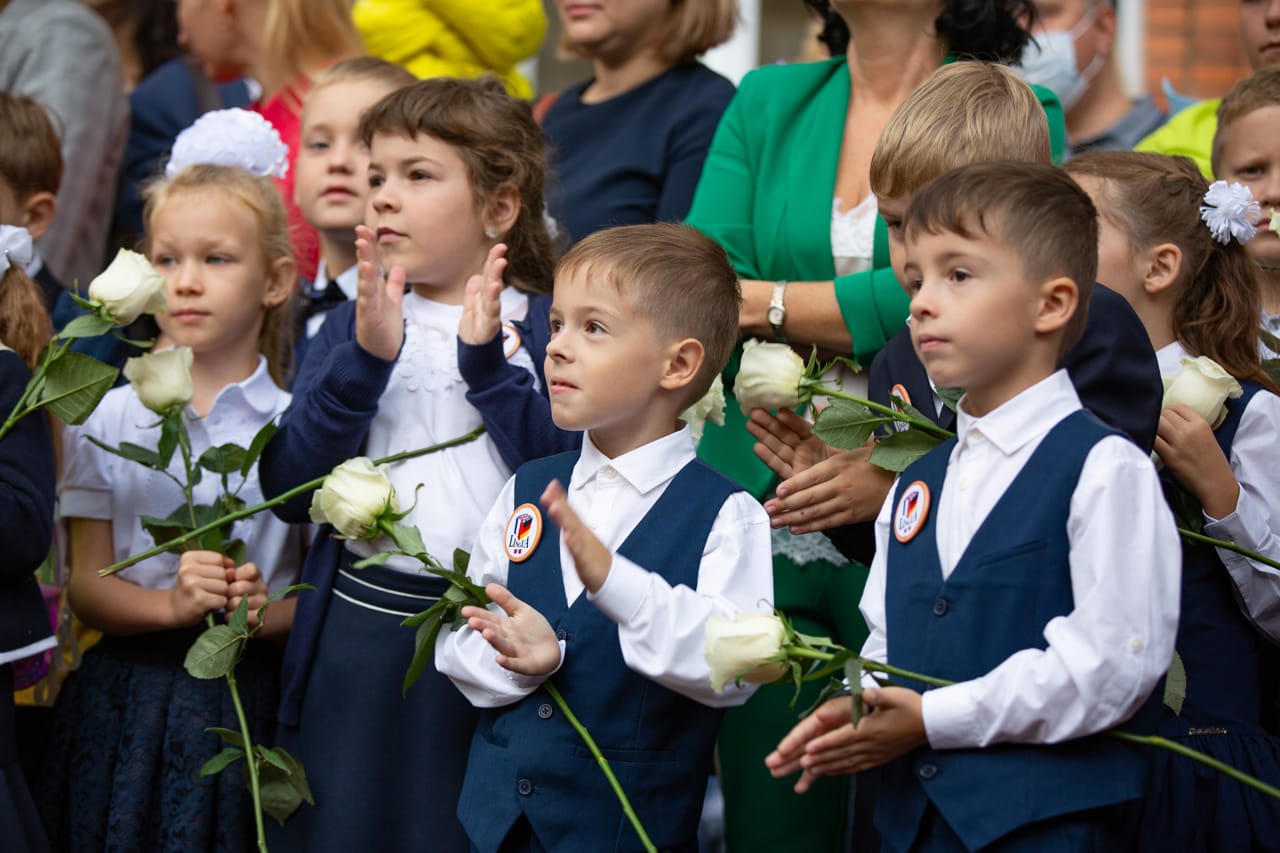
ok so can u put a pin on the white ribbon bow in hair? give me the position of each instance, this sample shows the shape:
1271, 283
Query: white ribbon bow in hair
231, 137
1230, 211
15, 247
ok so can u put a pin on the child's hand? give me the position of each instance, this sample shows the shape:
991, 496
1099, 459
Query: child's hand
201, 586
786, 442
592, 559
825, 744
842, 489
523, 639
482, 305
246, 582
379, 316
1185, 443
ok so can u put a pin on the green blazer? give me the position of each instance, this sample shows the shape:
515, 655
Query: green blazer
765, 195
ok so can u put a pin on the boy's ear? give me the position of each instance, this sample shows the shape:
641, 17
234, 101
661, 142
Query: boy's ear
281, 281
503, 209
38, 211
684, 360
1164, 262
1059, 300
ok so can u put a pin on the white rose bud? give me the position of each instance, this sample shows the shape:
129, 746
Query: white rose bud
770, 376
129, 288
354, 498
162, 380
745, 648
710, 407
1203, 385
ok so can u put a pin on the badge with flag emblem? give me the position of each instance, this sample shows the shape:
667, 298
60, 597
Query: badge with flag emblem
510, 340
524, 529
912, 511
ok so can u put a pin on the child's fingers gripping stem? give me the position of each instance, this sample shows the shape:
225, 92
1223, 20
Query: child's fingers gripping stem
379, 311
246, 582
201, 586
482, 305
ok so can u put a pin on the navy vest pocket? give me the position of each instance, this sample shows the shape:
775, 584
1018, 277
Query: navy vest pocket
627, 756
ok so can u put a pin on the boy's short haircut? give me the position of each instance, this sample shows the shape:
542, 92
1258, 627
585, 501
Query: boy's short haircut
1035, 211
30, 153
966, 112
676, 277
361, 69
1260, 89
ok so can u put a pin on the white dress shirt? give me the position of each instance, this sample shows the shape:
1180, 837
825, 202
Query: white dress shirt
97, 484
1256, 519
425, 403
660, 627
348, 282
1106, 655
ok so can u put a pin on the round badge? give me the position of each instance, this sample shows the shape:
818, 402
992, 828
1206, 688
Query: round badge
510, 340
900, 392
912, 511
524, 529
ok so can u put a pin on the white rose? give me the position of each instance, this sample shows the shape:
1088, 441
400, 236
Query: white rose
1203, 385
710, 407
770, 376
747, 648
129, 288
162, 379
353, 498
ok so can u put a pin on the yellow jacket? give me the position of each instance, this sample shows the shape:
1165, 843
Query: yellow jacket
1190, 133
455, 38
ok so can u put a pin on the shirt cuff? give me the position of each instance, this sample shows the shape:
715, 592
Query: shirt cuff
950, 717
623, 591
1241, 527
84, 503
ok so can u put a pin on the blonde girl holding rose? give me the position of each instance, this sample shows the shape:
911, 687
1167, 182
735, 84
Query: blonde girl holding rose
1172, 246
131, 726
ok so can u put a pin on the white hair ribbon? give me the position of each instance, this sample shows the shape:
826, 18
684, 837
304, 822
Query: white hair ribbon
15, 247
1230, 211
232, 137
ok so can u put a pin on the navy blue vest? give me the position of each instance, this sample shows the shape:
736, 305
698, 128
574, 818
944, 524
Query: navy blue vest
527, 759
1013, 578
1231, 667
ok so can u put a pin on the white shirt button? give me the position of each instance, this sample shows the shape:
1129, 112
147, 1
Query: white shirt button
609, 472
1136, 645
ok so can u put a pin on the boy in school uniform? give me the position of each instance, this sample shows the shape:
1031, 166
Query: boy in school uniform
605, 583
1030, 559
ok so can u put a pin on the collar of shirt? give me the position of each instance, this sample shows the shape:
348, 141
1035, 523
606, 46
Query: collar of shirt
1170, 357
348, 280
259, 392
1027, 417
645, 468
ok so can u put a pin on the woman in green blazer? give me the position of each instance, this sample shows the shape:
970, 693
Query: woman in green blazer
793, 148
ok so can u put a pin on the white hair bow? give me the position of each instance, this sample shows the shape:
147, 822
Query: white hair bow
1230, 211
232, 137
15, 247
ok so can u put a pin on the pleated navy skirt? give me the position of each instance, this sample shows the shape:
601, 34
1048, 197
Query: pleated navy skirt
123, 768
20, 829
385, 768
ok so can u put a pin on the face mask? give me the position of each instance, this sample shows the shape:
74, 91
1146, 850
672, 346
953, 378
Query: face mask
1050, 61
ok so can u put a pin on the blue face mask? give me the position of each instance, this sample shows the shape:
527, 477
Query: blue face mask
1049, 60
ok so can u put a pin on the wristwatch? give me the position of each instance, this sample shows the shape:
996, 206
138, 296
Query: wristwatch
777, 313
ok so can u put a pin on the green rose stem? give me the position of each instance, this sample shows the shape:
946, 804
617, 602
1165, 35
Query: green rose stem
21, 410
604, 765
1192, 536
1148, 740
924, 425
250, 758
280, 499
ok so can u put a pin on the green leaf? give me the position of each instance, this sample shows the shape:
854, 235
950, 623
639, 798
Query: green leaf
239, 621
846, 425
461, 560
1175, 685
897, 451
170, 431
132, 341
74, 384
133, 452
909, 410
214, 653
408, 539
220, 761
273, 757
853, 675
418, 618
424, 646
259, 443
283, 792
378, 559
223, 459
950, 396
237, 551
279, 594
85, 326
231, 736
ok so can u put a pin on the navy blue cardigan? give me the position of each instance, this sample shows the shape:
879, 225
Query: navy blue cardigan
26, 513
335, 397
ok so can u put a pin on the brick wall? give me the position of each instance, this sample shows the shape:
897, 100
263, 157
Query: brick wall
1196, 44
